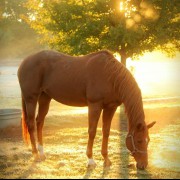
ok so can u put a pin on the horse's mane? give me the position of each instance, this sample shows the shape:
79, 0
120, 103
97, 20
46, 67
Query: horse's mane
126, 87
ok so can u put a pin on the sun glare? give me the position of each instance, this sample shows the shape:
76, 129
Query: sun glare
32, 17
121, 6
157, 78
155, 74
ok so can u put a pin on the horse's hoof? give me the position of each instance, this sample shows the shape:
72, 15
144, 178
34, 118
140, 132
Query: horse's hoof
107, 163
42, 157
92, 166
91, 163
37, 158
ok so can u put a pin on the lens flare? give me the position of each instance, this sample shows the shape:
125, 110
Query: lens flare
121, 6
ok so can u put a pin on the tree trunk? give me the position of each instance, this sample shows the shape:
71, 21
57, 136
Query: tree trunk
122, 52
123, 116
123, 60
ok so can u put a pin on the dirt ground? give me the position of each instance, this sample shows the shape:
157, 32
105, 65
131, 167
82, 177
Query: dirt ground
65, 140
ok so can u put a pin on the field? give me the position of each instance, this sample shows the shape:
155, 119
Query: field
65, 139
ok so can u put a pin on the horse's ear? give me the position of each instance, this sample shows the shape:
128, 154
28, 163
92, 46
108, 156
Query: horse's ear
140, 126
151, 124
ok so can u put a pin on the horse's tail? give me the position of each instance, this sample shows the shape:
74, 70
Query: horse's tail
25, 132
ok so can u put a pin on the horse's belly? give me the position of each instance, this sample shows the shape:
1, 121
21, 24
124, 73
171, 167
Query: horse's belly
68, 97
71, 102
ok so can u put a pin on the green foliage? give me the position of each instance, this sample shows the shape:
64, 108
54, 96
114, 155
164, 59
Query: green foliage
12, 9
16, 37
83, 26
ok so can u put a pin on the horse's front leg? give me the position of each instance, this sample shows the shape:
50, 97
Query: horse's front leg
94, 111
107, 118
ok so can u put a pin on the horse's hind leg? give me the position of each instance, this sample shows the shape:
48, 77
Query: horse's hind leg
44, 101
107, 118
31, 103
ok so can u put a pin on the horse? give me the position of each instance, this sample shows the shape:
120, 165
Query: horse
97, 80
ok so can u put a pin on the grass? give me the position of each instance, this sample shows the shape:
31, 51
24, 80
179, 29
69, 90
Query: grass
66, 158
65, 139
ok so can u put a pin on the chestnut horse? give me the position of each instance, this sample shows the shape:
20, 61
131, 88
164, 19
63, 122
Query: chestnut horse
95, 80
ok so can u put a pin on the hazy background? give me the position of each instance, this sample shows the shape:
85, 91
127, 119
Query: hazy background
29, 26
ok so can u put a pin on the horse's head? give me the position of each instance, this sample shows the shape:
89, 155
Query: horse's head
137, 143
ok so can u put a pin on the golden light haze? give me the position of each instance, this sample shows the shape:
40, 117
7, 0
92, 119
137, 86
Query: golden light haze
156, 74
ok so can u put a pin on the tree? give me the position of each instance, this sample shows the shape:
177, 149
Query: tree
16, 37
128, 27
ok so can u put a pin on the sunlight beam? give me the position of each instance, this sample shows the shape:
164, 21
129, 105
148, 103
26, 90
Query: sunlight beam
121, 6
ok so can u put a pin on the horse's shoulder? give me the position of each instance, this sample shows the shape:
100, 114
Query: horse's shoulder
105, 52
100, 56
50, 53
102, 53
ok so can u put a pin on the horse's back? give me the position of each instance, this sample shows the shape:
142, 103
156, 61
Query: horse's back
67, 79
47, 62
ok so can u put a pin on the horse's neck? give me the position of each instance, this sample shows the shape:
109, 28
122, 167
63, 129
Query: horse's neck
134, 110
